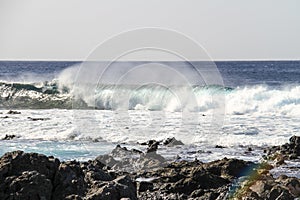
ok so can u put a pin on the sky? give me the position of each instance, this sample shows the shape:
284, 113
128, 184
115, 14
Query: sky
227, 29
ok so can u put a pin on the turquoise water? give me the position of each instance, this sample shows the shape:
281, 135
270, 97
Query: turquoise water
64, 150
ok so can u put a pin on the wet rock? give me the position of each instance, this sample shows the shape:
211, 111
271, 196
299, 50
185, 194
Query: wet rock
293, 185
35, 176
278, 192
12, 112
261, 187
144, 186
293, 156
187, 180
107, 160
38, 119
26, 176
172, 142
17, 162
28, 185
219, 147
230, 167
132, 159
126, 187
152, 146
121, 187
265, 186
9, 137
198, 180
289, 150
70, 177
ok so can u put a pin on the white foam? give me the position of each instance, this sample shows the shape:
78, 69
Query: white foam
140, 125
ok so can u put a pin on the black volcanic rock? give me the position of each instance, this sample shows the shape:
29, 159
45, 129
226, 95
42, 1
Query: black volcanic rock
27, 176
36, 176
194, 180
9, 137
231, 168
28, 185
17, 162
172, 142
288, 151
12, 112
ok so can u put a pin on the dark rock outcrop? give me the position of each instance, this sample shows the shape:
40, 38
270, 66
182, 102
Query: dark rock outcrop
194, 180
38, 119
36, 176
288, 151
13, 112
9, 137
264, 186
133, 160
172, 142
24, 175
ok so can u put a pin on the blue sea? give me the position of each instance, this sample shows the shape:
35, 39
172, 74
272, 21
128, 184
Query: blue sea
71, 111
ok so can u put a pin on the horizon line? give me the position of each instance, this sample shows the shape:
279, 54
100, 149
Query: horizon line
77, 60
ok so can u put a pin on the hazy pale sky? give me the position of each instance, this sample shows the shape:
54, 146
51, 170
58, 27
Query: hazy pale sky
71, 29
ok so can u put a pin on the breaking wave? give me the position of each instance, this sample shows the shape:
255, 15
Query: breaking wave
239, 101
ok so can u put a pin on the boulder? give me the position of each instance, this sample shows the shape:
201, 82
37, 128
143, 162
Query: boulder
15, 163
28, 185
12, 112
172, 142
289, 150
9, 137
27, 175
70, 177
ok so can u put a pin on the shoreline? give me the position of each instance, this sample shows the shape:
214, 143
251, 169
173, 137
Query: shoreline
133, 174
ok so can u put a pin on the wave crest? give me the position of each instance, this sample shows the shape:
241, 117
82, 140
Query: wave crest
239, 101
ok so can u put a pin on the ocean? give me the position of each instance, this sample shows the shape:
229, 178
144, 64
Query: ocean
260, 108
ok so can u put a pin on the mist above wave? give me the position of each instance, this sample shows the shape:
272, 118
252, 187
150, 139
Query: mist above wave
142, 91
238, 101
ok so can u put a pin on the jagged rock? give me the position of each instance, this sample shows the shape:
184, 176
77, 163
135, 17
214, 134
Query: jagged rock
184, 179
127, 189
27, 176
152, 146
121, 187
230, 167
37, 119
35, 176
28, 185
265, 186
286, 151
198, 180
172, 142
261, 186
12, 112
107, 160
144, 186
70, 177
14, 163
131, 160
293, 185
9, 137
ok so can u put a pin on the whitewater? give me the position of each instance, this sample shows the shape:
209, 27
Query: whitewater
260, 107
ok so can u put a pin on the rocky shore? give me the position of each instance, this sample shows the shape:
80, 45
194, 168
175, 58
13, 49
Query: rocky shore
133, 174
